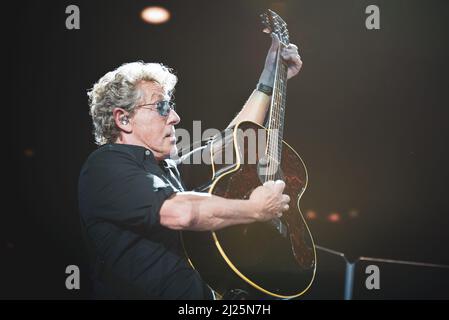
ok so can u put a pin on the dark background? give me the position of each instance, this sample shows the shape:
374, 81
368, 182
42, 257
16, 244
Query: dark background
368, 114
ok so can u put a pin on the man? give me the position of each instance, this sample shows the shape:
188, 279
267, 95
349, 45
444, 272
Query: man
132, 201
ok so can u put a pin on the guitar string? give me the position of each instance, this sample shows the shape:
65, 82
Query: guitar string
279, 124
277, 112
281, 113
273, 121
270, 127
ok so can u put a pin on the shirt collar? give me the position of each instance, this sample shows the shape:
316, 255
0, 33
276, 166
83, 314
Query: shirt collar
142, 154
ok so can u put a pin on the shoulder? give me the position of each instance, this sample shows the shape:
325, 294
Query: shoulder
109, 160
110, 154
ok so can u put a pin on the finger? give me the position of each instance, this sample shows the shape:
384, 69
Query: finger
289, 53
268, 183
286, 207
292, 45
286, 198
294, 61
290, 50
291, 56
279, 186
279, 214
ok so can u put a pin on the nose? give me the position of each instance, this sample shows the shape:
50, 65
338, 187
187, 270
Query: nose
173, 118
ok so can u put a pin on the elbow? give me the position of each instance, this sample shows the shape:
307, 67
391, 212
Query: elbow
177, 217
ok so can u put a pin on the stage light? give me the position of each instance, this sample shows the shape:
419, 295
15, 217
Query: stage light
311, 215
28, 152
155, 15
334, 217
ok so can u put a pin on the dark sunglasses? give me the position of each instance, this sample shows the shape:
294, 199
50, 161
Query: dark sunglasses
163, 107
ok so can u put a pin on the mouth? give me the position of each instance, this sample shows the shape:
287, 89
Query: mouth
171, 136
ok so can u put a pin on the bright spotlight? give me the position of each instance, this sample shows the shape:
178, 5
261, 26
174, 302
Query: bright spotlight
155, 15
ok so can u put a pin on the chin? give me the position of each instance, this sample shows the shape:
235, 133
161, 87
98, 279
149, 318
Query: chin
173, 154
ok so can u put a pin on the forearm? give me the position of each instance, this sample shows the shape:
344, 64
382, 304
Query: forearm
254, 109
258, 103
201, 211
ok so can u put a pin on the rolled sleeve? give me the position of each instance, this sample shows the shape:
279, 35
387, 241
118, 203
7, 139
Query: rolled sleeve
118, 190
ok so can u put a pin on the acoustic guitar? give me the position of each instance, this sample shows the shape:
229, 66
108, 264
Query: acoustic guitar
276, 258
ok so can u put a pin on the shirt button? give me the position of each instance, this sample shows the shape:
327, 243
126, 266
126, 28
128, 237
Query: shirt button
147, 152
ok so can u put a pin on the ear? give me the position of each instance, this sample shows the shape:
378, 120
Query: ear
122, 120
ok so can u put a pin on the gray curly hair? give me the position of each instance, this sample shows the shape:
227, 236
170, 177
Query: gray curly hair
119, 88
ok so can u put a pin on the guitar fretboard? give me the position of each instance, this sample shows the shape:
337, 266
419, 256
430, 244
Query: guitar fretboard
277, 117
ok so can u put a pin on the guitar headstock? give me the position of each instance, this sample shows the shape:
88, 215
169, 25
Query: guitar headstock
272, 22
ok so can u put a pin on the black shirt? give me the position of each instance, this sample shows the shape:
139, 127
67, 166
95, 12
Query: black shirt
121, 190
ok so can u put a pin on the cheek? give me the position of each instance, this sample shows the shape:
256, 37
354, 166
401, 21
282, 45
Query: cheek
155, 137
152, 131
149, 133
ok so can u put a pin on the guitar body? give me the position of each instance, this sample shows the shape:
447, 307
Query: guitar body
275, 258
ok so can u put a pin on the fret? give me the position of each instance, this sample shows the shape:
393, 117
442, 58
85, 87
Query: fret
277, 117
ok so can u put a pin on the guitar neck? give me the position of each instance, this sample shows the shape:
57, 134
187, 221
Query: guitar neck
277, 111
